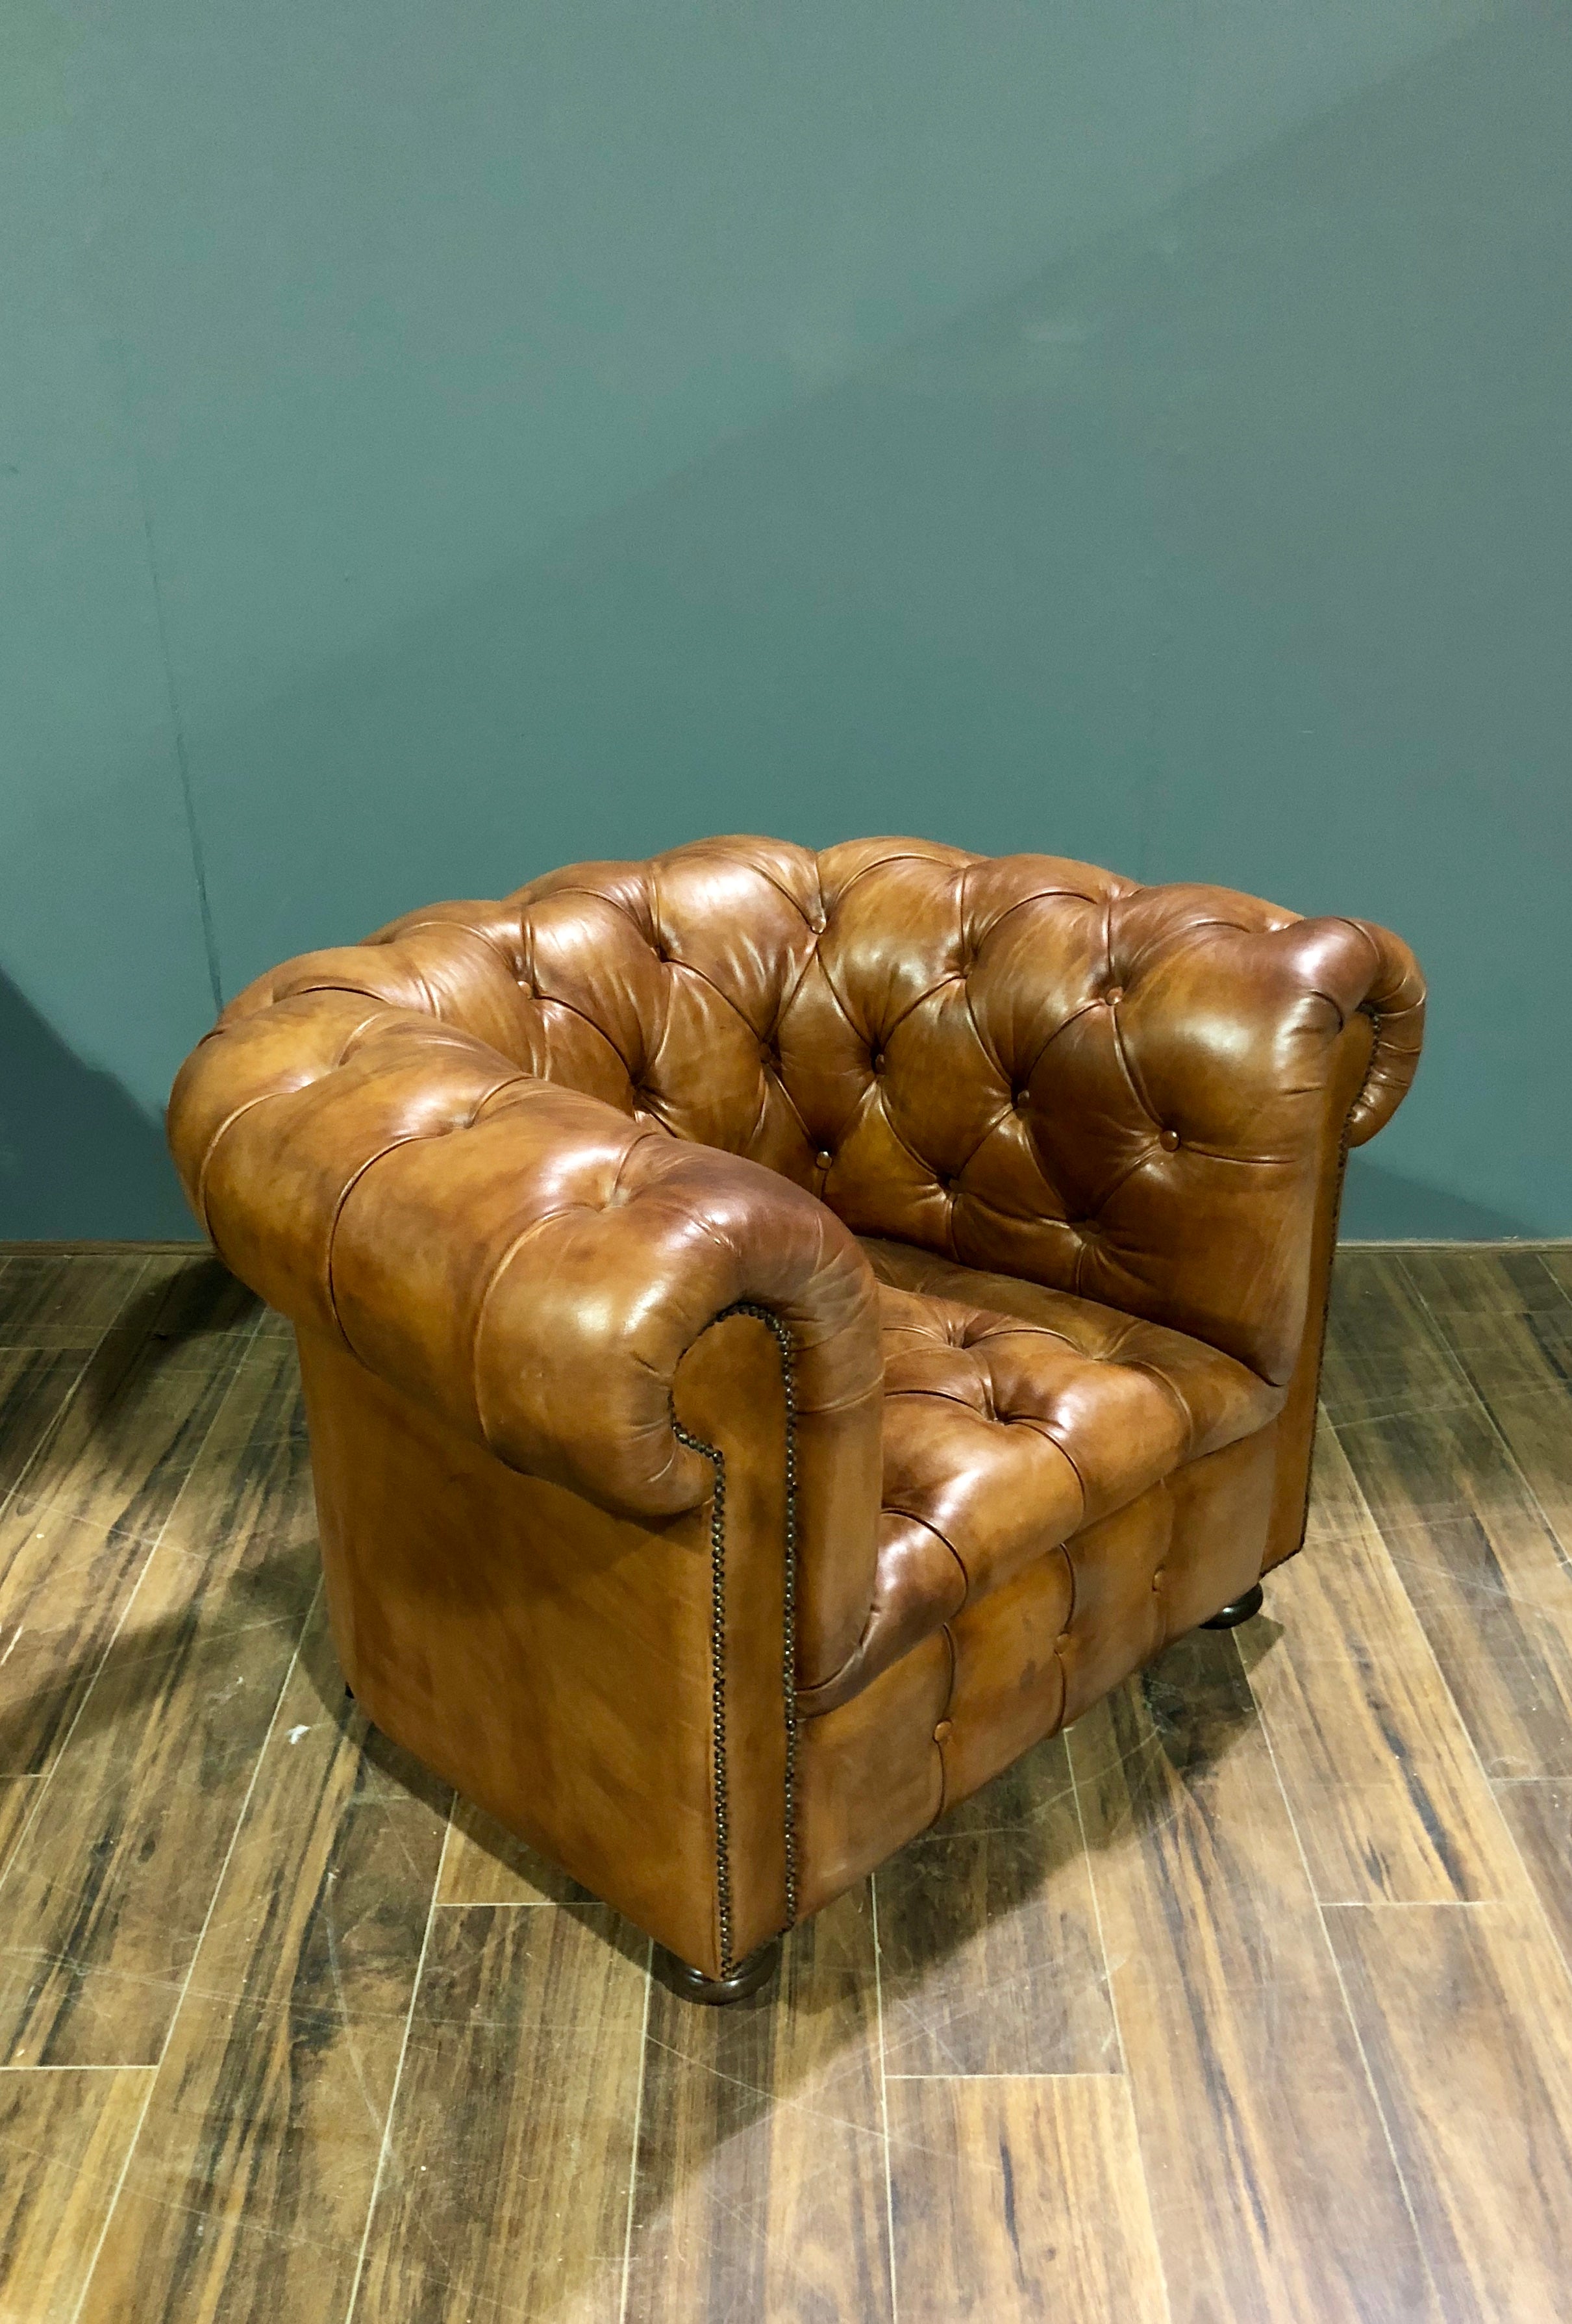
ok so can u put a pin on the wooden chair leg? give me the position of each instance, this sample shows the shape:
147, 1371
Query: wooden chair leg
1228, 1617
715, 1992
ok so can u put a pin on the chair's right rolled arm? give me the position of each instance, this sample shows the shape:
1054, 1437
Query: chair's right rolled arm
1395, 1001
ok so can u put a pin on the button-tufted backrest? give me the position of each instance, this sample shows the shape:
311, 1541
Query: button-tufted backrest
1031, 1064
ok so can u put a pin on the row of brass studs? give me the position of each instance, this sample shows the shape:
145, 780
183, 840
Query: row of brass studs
789, 1597
717, 1459
712, 1453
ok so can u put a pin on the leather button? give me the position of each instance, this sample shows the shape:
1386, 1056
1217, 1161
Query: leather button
1169, 1139
1020, 1100
823, 1158
1060, 1642
944, 1732
877, 1061
1157, 1579
1115, 992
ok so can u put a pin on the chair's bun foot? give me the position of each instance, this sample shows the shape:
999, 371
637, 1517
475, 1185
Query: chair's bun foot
1228, 1617
745, 1978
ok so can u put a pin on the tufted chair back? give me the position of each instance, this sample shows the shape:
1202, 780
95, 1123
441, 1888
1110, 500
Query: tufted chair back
1026, 1064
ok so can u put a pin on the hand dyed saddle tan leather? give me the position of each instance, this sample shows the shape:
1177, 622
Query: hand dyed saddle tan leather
783, 1332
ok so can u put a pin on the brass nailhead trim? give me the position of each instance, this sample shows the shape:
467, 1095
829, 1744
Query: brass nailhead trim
717, 1459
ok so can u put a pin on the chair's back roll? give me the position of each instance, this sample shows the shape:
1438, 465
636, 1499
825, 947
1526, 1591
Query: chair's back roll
1029, 1064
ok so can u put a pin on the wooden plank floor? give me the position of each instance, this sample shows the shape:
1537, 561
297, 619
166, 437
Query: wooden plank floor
1248, 2002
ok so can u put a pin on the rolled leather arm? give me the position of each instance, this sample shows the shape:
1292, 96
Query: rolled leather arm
525, 1259
1198, 1125
1395, 1001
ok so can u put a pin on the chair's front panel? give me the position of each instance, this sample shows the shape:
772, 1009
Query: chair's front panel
1018, 1663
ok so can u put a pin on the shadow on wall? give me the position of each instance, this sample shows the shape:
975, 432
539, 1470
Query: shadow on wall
77, 1158
1234, 547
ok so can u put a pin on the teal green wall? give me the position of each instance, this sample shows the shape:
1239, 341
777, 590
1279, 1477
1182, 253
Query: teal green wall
438, 443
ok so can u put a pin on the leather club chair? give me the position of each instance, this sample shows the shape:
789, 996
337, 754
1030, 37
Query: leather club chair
782, 1334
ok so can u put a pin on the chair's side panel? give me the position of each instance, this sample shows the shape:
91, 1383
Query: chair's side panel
557, 1665
1296, 1426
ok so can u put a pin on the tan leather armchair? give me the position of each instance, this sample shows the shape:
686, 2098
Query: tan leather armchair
782, 1334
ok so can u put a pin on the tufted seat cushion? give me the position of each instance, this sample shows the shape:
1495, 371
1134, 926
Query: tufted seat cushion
1012, 1416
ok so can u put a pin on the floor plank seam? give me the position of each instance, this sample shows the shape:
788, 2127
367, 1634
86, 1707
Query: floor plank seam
884, 2083
1321, 1917
498, 1904
1411, 1903
1549, 1273
638, 2127
185, 1982
385, 2148
1123, 2076
1023, 2076
1482, 1404
1096, 1913
1532, 1894
120, 2180
91, 1350
46, 1775
60, 1512
77, 2070
19, 1481
224, 1378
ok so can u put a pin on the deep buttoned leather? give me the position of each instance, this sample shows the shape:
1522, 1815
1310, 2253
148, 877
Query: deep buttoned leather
1008, 1428
511, 1160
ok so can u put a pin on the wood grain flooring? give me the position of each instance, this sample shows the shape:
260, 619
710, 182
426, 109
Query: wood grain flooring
1247, 1999
995, 2179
